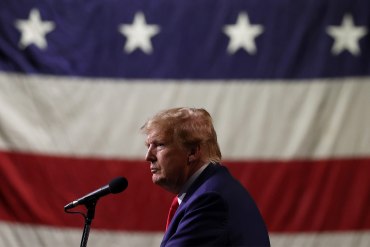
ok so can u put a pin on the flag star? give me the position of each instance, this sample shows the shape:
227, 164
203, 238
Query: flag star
34, 30
242, 34
138, 34
346, 36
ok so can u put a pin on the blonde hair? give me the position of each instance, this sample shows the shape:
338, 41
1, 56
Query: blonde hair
188, 126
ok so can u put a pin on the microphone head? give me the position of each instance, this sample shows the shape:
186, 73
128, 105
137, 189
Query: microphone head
118, 185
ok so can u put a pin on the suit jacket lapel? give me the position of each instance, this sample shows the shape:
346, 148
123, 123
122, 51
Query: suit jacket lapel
208, 171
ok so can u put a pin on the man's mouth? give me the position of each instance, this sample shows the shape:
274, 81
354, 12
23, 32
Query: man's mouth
153, 170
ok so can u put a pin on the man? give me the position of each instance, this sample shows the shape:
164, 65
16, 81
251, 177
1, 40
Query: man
215, 209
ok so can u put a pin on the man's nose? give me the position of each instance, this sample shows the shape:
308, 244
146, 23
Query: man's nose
150, 156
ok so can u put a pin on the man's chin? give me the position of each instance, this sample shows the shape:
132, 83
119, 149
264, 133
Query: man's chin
157, 179
161, 182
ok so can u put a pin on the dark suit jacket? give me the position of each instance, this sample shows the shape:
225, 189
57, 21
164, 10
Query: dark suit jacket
216, 211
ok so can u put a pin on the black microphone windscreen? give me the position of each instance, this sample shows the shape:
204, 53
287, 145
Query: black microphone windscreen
118, 185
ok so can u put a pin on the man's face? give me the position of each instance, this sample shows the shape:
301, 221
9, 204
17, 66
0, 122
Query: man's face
168, 161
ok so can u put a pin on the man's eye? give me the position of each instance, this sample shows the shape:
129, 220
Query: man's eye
160, 145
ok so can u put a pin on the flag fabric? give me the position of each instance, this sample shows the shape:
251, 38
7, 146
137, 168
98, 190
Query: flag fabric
287, 83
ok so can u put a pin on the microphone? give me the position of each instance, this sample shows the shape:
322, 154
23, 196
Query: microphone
117, 185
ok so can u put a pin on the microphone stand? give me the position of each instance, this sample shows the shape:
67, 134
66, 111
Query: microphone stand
88, 219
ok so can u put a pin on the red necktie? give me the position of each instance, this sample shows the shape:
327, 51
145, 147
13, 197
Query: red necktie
173, 208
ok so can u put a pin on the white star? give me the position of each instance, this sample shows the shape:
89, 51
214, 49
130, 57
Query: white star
242, 34
346, 36
138, 34
34, 30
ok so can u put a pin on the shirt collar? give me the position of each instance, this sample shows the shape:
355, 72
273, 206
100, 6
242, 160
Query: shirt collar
188, 183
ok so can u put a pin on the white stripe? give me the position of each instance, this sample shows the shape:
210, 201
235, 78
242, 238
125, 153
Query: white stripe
19, 235
254, 120
328, 239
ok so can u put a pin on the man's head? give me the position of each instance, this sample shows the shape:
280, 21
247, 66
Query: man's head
179, 142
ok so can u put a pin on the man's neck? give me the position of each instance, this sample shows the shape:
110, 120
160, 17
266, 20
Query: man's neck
190, 181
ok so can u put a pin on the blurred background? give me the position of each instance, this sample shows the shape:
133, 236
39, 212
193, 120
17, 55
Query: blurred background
287, 83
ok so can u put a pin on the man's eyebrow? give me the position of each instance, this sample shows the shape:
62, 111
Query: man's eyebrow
154, 139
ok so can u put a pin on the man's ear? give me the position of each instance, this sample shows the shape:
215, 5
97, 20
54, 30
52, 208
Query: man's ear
194, 154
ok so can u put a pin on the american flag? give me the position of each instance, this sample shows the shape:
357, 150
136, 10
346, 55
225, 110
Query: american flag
287, 83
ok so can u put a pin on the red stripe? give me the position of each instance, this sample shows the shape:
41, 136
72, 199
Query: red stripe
323, 195
300, 195
35, 189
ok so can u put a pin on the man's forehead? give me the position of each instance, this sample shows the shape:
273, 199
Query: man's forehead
155, 135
